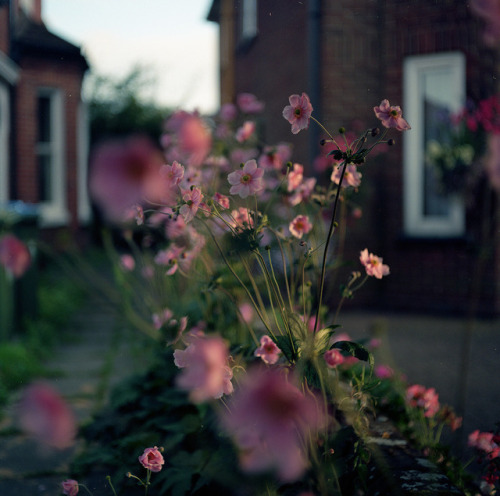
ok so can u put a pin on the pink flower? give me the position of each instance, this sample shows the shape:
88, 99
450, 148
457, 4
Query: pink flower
391, 116
418, 396
193, 198
127, 262
193, 139
45, 415
373, 264
268, 351
126, 173
246, 181
489, 11
206, 373
247, 312
270, 420
249, 104
273, 157
485, 441
303, 191
351, 176
228, 112
173, 173
14, 255
298, 112
295, 177
245, 132
241, 218
333, 358
222, 200
161, 318
152, 459
383, 372
70, 487
300, 226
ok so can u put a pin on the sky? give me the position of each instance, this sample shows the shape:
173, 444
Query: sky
172, 38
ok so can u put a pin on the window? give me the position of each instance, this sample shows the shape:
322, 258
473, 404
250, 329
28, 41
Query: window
248, 20
51, 178
434, 88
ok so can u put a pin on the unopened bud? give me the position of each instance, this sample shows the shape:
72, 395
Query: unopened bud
267, 247
289, 164
391, 142
342, 130
375, 131
322, 142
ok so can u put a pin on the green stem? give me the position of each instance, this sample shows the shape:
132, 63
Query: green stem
327, 244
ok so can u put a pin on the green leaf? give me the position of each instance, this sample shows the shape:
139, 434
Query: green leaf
355, 350
288, 348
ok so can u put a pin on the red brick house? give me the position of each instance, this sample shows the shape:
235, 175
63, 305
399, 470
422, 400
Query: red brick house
348, 55
43, 123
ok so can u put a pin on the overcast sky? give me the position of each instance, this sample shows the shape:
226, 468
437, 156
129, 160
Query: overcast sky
170, 36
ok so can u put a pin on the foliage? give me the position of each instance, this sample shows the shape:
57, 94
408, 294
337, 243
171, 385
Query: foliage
120, 106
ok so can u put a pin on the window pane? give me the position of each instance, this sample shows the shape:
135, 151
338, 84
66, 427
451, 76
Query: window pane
44, 119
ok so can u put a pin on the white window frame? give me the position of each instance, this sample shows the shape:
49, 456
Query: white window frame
4, 143
415, 222
83, 144
55, 212
249, 20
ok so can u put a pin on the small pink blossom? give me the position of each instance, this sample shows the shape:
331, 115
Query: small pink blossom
14, 255
334, 358
44, 414
270, 420
228, 112
241, 218
221, 199
300, 226
172, 257
205, 373
383, 372
127, 262
303, 191
192, 139
161, 318
295, 177
192, 198
274, 157
70, 487
391, 116
298, 112
486, 442
373, 264
247, 180
172, 173
247, 312
152, 459
268, 351
245, 132
351, 176
248, 103
418, 396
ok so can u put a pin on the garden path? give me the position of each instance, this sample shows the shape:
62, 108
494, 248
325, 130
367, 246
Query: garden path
85, 367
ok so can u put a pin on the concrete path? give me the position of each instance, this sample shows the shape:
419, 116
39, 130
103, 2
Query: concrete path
87, 365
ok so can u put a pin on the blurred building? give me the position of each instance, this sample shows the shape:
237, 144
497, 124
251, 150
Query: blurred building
349, 55
43, 122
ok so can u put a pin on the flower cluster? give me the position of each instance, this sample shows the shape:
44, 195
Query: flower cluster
424, 398
487, 446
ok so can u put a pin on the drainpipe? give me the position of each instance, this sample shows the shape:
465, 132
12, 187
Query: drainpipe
313, 71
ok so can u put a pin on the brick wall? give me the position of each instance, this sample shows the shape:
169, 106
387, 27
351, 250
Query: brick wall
363, 46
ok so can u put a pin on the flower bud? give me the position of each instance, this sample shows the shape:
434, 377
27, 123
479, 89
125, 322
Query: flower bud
391, 142
342, 130
375, 131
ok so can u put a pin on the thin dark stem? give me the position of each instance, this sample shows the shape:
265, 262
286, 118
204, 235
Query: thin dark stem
327, 244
